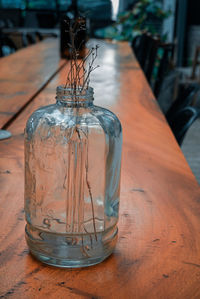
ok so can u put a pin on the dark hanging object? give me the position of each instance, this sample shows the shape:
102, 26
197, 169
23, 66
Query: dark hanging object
73, 18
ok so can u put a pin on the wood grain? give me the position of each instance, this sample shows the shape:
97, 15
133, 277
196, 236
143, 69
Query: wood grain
24, 73
158, 251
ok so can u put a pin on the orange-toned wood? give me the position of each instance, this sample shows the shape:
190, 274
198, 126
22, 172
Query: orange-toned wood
24, 73
158, 251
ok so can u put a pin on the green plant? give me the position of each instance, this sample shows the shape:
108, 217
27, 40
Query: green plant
144, 16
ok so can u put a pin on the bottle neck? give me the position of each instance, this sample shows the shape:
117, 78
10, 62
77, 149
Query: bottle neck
78, 98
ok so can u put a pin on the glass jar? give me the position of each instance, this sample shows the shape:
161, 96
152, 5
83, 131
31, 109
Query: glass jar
72, 180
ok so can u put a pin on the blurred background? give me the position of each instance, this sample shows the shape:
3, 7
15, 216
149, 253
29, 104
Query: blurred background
173, 20
163, 34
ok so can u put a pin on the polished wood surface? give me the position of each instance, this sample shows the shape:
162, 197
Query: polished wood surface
158, 250
24, 73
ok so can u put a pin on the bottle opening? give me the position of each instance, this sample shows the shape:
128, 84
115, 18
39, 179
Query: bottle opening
67, 94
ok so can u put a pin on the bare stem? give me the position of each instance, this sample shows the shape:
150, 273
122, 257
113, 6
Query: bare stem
90, 194
78, 77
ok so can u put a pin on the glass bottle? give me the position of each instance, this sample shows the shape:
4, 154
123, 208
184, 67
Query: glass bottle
72, 180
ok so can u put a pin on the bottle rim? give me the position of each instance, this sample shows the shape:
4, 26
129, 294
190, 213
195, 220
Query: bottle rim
70, 95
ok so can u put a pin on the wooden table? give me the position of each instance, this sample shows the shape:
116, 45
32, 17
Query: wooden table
43, 31
16, 34
158, 250
24, 74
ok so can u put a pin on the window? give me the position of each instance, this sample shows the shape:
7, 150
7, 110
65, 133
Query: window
64, 4
41, 4
12, 4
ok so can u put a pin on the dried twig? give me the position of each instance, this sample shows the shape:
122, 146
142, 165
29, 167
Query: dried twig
78, 77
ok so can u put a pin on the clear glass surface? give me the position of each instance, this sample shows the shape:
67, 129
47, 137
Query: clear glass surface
72, 181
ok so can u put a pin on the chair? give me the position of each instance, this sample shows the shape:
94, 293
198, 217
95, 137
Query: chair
28, 39
31, 37
145, 48
196, 62
165, 63
184, 99
39, 36
139, 48
151, 56
7, 46
182, 121
154, 57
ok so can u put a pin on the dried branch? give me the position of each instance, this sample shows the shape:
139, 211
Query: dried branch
78, 80
78, 77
